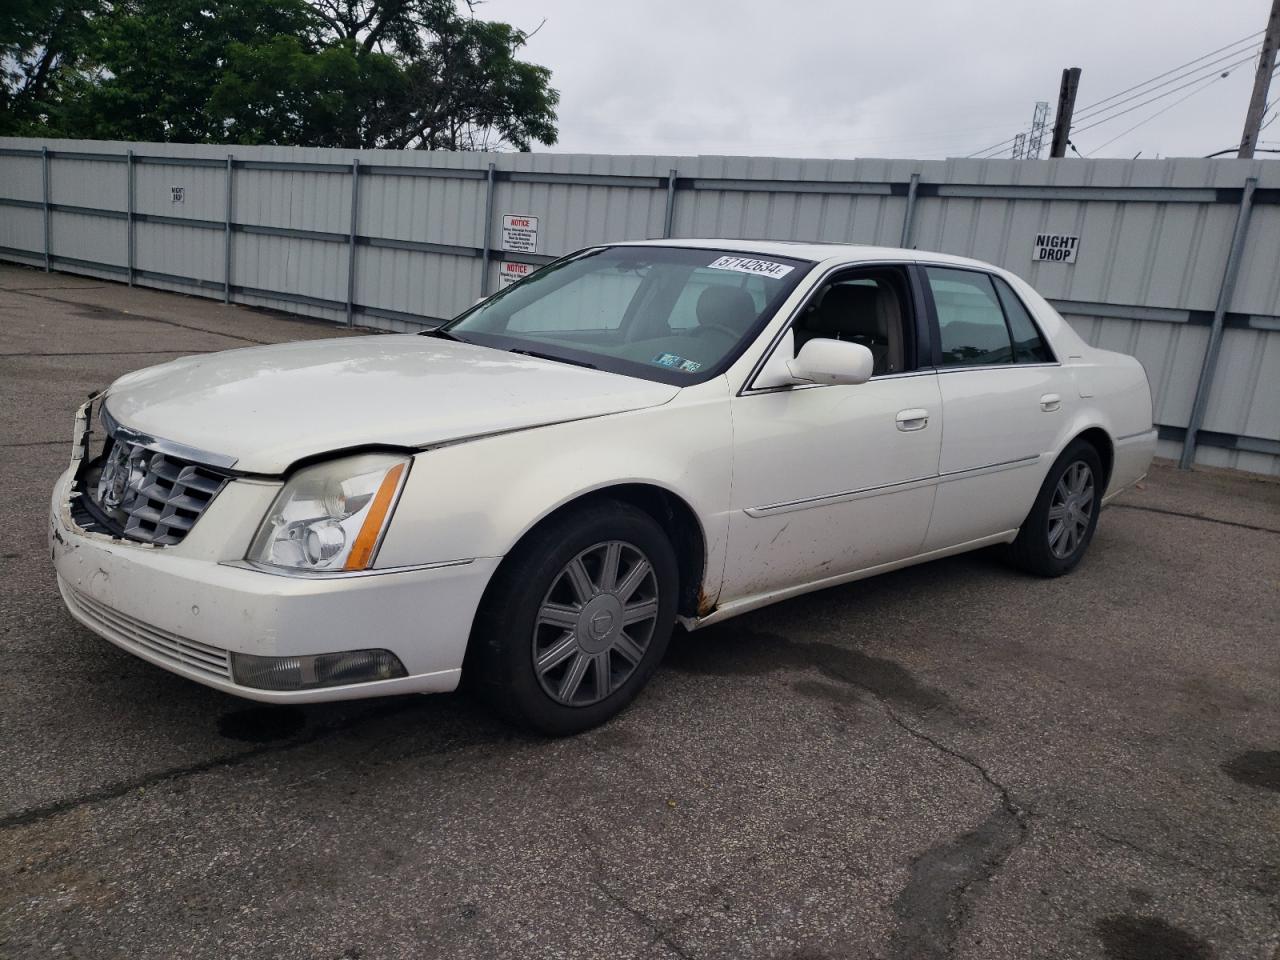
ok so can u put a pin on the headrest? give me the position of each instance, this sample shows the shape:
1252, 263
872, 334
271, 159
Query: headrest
726, 307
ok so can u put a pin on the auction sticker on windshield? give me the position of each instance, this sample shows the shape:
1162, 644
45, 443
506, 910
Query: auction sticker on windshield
761, 268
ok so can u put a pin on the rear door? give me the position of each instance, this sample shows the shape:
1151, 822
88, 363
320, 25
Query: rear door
1002, 402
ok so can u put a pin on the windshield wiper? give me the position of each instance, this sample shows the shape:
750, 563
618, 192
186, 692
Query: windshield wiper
442, 333
548, 356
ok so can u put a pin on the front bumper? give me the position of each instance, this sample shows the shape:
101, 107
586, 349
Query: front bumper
186, 609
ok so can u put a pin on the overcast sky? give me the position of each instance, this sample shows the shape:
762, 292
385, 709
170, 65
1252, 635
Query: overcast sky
913, 78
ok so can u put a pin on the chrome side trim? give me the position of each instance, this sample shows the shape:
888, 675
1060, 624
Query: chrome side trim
773, 509
996, 366
179, 450
340, 574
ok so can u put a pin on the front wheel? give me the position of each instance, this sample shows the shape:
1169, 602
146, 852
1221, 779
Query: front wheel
1061, 523
577, 619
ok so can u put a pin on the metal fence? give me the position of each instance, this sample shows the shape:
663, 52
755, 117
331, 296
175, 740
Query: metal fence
1176, 261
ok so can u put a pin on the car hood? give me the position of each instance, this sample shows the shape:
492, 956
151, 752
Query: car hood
271, 406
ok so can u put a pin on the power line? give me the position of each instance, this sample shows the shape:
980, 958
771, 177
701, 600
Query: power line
1206, 84
1211, 67
1160, 76
1161, 96
1092, 109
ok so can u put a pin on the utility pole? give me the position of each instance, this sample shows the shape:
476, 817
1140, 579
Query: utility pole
1261, 83
1066, 107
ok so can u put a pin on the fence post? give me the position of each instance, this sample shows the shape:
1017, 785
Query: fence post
908, 217
128, 166
226, 235
488, 226
351, 241
669, 221
1211, 350
44, 187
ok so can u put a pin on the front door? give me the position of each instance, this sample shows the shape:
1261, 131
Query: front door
828, 480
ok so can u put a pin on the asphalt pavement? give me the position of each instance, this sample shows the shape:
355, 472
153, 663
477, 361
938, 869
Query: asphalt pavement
954, 760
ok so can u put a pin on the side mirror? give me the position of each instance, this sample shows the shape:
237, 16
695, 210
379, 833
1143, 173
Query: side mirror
832, 361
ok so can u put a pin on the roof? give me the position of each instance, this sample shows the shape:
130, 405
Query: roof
847, 252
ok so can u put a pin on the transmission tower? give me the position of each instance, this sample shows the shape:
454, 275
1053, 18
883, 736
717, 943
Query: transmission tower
1035, 140
1019, 146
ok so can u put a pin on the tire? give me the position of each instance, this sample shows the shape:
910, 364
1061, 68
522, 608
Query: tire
559, 646
1060, 526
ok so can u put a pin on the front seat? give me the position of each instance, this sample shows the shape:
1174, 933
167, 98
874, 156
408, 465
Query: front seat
860, 313
728, 308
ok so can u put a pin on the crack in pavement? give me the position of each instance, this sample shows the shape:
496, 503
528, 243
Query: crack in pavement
661, 934
109, 353
89, 286
122, 315
22, 818
1193, 516
935, 905
1207, 872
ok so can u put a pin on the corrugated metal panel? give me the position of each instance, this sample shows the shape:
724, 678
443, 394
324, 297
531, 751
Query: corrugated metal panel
22, 178
300, 201
1160, 242
179, 251
88, 238
22, 228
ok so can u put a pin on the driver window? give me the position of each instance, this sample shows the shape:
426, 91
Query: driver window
867, 307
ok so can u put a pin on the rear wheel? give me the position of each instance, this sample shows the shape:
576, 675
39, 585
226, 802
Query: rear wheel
1061, 524
577, 619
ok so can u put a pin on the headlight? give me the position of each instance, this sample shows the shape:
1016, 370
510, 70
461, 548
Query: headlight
331, 517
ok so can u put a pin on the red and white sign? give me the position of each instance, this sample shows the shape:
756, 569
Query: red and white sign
519, 233
509, 273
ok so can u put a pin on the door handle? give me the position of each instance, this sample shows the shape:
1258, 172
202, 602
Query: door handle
914, 419
1050, 403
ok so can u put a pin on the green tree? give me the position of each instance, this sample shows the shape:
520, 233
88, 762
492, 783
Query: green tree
356, 73
151, 66
41, 41
419, 73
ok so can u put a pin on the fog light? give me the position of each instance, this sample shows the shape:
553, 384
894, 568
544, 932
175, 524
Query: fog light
316, 670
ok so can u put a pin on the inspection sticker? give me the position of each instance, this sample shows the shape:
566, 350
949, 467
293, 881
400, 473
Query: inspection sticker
676, 362
761, 268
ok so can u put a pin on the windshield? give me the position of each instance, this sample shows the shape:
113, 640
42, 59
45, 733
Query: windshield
672, 314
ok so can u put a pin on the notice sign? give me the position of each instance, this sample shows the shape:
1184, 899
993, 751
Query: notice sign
519, 233
509, 273
1056, 247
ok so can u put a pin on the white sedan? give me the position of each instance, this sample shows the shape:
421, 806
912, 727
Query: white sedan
530, 497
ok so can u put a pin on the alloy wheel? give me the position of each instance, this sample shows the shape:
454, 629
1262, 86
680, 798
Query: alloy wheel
1071, 510
595, 623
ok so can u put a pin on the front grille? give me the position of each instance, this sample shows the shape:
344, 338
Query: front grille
138, 492
135, 635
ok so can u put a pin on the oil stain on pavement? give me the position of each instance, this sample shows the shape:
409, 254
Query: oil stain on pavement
1126, 937
1255, 768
